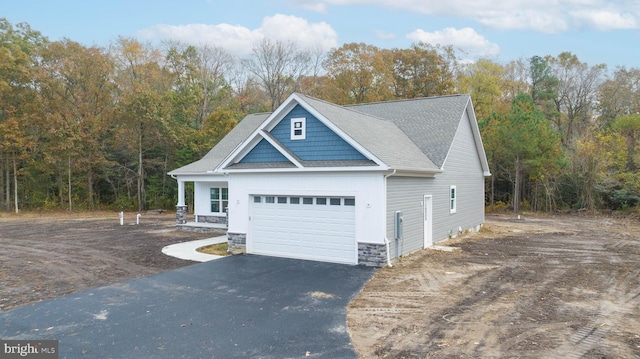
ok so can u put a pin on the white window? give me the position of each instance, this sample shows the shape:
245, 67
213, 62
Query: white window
452, 199
298, 128
219, 200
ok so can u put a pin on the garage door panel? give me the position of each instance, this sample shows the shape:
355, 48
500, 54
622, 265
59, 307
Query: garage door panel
308, 231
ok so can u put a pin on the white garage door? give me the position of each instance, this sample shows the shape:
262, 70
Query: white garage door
315, 228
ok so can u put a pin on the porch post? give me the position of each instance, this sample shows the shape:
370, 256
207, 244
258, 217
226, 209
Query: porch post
180, 193
181, 208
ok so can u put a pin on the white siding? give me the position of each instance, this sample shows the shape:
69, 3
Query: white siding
462, 169
202, 193
366, 188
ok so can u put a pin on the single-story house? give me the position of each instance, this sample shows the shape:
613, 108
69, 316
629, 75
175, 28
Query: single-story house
358, 184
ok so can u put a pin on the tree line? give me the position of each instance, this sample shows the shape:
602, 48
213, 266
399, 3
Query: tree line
88, 127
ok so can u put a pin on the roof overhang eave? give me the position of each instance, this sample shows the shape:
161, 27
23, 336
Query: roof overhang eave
417, 172
308, 169
195, 173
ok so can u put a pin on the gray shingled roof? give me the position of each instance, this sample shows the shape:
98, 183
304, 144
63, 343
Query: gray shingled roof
410, 135
229, 143
430, 123
382, 138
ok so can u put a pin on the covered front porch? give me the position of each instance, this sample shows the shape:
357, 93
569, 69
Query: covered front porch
211, 201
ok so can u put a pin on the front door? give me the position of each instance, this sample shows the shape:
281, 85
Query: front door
428, 220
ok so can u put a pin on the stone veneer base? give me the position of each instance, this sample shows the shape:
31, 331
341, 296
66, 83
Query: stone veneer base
236, 243
372, 254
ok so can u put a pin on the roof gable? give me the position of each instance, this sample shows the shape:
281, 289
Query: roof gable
407, 135
430, 123
320, 143
264, 152
383, 138
325, 145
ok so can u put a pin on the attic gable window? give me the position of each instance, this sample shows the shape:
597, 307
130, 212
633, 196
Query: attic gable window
298, 128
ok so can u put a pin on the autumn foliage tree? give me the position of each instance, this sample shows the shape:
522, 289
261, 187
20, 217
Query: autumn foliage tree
99, 127
77, 89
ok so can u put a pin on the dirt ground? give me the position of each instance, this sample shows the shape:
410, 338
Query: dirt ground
45, 257
539, 287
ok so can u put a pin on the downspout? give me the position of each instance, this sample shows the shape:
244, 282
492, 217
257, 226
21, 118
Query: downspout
386, 240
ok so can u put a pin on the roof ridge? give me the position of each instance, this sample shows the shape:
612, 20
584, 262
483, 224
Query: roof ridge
346, 107
409, 99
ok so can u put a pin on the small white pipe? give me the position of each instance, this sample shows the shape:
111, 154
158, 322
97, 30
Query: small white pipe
386, 242
138, 218
121, 214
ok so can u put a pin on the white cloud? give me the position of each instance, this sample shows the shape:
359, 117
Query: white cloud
233, 38
466, 40
238, 40
300, 31
547, 16
605, 20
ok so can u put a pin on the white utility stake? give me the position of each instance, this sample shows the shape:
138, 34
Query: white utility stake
121, 214
138, 218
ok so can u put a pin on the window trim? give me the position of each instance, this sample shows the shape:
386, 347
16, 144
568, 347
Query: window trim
222, 202
302, 121
453, 199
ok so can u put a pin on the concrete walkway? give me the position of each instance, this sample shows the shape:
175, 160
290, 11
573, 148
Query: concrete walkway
187, 250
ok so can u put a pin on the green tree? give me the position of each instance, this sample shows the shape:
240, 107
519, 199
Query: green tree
531, 147
544, 87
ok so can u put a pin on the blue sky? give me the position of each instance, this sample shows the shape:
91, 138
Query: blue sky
597, 31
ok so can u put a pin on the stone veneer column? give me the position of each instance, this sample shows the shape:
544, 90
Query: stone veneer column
236, 243
372, 255
181, 214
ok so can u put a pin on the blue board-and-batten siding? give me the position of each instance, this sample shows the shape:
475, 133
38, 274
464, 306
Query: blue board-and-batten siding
462, 169
264, 152
320, 144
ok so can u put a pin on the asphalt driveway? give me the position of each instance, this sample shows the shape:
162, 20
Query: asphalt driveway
235, 307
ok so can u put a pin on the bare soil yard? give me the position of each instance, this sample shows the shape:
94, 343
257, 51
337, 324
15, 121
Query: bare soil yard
45, 257
541, 287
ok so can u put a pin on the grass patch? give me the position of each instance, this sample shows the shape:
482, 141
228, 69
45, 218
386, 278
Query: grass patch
219, 249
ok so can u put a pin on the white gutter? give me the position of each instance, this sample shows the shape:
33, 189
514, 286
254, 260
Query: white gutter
386, 240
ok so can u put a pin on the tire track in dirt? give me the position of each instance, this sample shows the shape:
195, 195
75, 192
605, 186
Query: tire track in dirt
43, 258
530, 289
